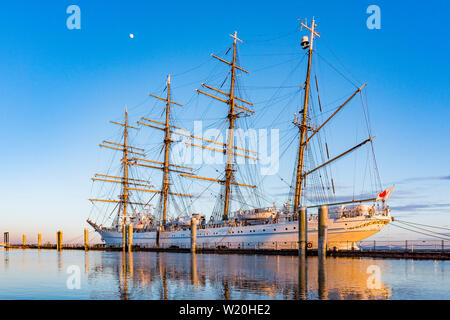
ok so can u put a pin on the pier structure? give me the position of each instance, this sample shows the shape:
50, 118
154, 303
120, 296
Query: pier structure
302, 247
5, 239
302, 232
402, 249
322, 231
124, 236
193, 235
322, 252
86, 239
59, 240
130, 237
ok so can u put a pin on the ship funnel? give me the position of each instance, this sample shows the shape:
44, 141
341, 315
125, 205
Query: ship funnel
305, 42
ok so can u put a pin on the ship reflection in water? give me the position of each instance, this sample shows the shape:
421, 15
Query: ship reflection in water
44, 274
186, 276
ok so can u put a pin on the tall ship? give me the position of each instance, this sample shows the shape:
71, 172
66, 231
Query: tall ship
162, 216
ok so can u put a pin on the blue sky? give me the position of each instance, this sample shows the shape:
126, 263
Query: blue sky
60, 87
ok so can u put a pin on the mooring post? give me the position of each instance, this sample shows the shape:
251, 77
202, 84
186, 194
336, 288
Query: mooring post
130, 237
157, 237
6, 239
323, 231
24, 241
322, 251
193, 235
302, 247
302, 230
86, 239
124, 236
59, 240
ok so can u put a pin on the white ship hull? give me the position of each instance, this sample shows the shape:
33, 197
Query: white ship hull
342, 233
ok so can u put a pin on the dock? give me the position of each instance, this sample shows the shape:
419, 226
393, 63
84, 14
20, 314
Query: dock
405, 249
394, 253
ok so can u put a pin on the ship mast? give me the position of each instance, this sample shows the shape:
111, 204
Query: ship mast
135, 160
124, 195
303, 127
229, 171
166, 166
167, 141
124, 180
233, 114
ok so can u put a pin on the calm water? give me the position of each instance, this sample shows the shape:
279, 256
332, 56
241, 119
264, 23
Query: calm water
43, 274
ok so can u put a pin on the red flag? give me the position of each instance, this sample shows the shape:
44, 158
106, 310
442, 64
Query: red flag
386, 194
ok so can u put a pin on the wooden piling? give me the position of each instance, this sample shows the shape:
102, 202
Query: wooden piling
302, 231
158, 233
322, 237
86, 239
323, 231
39, 241
130, 237
6, 239
193, 234
322, 252
124, 236
59, 240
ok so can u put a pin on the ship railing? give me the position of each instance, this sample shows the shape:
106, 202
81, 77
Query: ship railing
405, 245
54, 246
272, 245
367, 245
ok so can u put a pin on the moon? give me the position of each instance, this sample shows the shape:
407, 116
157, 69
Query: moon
131, 35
